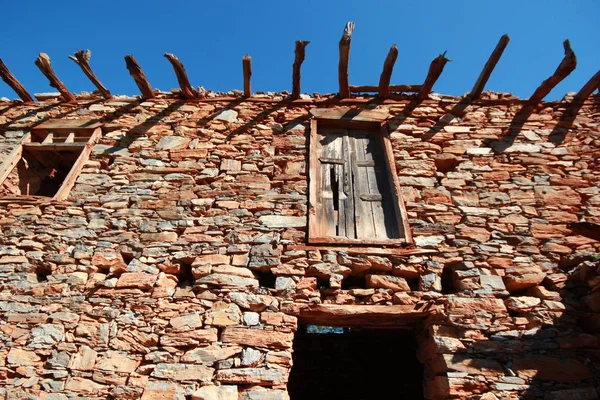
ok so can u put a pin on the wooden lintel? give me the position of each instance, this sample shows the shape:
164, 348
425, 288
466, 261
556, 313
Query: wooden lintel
43, 63
489, 67
588, 229
386, 74
139, 77
14, 83
187, 90
247, 66
435, 70
344, 47
359, 315
74, 146
566, 66
392, 88
380, 251
299, 53
350, 114
588, 89
82, 58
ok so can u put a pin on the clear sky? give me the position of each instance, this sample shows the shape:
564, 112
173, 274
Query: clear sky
210, 38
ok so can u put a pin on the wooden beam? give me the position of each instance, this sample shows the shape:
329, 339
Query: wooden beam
82, 58
298, 60
247, 66
71, 177
50, 146
392, 88
14, 83
43, 63
435, 70
588, 89
386, 74
344, 46
489, 67
139, 77
186, 89
13, 158
566, 66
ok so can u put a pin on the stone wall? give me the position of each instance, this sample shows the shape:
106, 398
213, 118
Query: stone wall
177, 266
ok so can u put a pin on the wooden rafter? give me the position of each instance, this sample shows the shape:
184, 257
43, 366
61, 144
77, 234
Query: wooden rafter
139, 77
392, 88
489, 67
386, 74
566, 66
82, 58
299, 53
247, 66
187, 90
12, 159
14, 83
588, 89
43, 63
435, 70
344, 47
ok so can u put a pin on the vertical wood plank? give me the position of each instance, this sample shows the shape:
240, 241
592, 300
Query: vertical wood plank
363, 217
313, 179
348, 188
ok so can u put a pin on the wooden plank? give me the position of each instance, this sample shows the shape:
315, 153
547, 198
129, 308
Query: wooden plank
392, 88
76, 146
67, 125
332, 160
328, 220
71, 177
435, 70
587, 89
82, 58
43, 63
489, 67
12, 159
313, 180
14, 83
363, 212
379, 251
299, 54
344, 47
566, 66
70, 138
386, 74
187, 90
48, 138
247, 67
348, 190
139, 77
399, 205
350, 114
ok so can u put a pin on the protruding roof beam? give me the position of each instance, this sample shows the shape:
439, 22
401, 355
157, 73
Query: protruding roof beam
298, 60
82, 58
344, 46
43, 63
391, 88
588, 89
139, 77
386, 74
489, 67
566, 66
14, 83
247, 66
187, 90
435, 70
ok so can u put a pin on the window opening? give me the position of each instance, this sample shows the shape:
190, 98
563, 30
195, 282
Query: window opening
48, 159
354, 194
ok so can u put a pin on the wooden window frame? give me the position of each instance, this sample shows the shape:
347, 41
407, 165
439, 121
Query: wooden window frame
376, 126
44, 141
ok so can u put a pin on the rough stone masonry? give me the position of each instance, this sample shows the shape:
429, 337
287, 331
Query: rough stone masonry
152, 279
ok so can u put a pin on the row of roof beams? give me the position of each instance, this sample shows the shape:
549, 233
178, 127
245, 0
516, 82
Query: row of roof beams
82, 58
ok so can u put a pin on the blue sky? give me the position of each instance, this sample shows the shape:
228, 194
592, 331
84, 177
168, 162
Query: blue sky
210, 38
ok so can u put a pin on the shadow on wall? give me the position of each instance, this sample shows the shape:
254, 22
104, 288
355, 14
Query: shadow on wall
547, 347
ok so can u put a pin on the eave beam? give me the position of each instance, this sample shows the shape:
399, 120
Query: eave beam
299, 53
386, 74
344, 47
435, 70
587, 89
82, 58
139, 77
187, 90
14, 83
43, 63
247, 67
489, 67
566, 66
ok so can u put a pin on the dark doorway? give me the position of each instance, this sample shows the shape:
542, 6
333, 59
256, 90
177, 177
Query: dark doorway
353, 363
